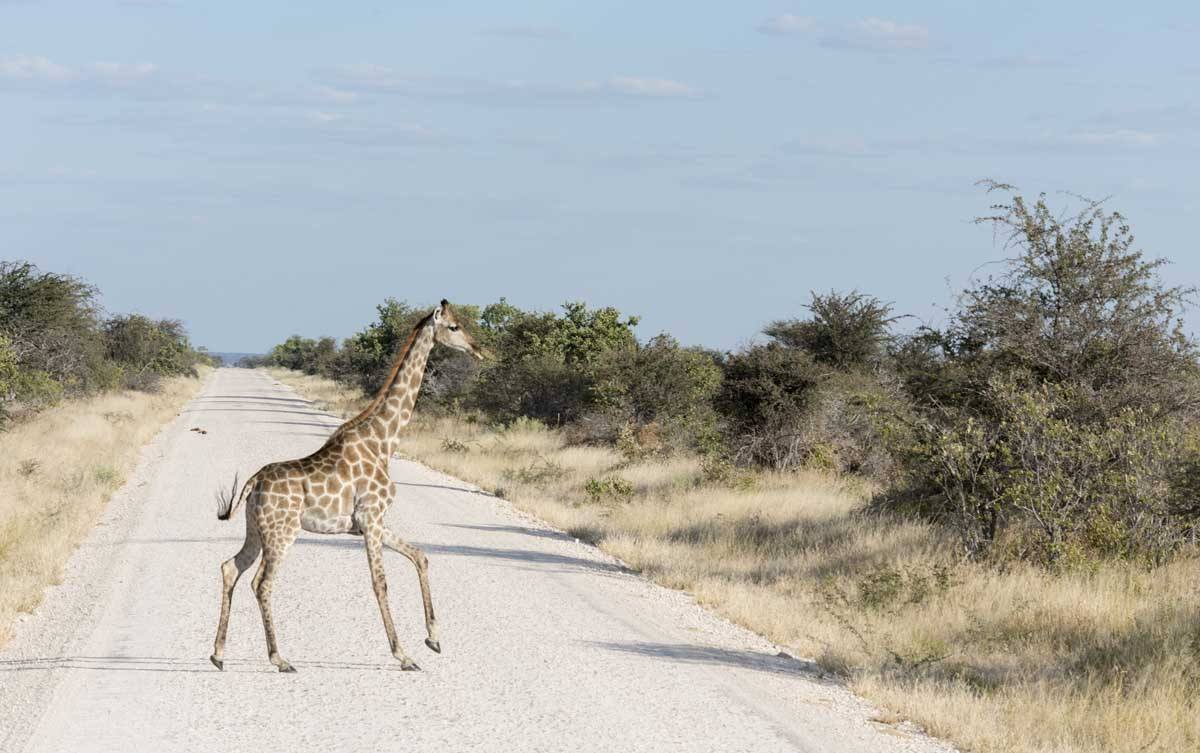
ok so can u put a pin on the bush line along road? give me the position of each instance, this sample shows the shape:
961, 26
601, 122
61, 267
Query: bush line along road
547, 643
989, 527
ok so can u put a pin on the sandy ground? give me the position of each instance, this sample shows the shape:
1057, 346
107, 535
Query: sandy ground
548, 644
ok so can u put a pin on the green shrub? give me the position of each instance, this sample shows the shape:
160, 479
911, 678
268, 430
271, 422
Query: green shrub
844, 331
147, 350
610, 488
541, 387
1056, 403
9, 374
50, 323
306, 355
657, 396
820, 394
765, 400
716, 469
640, 442
546, 365
1063, 490
38, 389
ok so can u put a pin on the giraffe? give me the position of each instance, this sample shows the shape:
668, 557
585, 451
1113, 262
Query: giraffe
341, 488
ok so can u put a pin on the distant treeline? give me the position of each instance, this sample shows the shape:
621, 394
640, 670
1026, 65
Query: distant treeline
55, 342
1053, 417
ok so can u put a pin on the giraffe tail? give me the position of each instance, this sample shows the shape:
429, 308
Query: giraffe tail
227, 506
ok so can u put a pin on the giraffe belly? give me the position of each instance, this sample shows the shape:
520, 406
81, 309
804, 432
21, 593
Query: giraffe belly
320, 523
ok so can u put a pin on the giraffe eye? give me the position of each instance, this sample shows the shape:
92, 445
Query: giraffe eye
453, 328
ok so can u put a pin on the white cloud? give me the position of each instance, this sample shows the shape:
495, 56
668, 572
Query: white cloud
320, 116
661, 88
788, 23
335, 128
377, 78
1025, 60
871, 33
832, 145
880, 34
529, 31
338, 96
122, 72
33, 70
27, 68
1117, 137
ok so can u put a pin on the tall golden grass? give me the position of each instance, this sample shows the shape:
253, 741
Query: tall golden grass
327, 395
1105, 660
57, 471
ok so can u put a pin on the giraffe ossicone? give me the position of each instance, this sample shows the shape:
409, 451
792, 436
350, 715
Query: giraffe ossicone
342, 488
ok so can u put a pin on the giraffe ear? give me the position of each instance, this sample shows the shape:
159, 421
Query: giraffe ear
445, 303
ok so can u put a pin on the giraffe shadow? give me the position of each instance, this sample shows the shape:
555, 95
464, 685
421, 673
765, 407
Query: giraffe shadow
530, 557
198, 665
524, 556
685, 653
324, 425
448, 488
271, 409
244, 398
535, 532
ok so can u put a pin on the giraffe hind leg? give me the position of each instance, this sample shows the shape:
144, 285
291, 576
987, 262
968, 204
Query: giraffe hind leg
275, 547
231, 571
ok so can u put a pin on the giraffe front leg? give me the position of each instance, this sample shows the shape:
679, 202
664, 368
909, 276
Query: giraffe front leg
421, 563
372, 528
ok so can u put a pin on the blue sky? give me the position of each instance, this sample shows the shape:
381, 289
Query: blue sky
258, 169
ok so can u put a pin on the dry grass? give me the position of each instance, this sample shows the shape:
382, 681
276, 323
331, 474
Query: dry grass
57, 471
995, 660
327, 395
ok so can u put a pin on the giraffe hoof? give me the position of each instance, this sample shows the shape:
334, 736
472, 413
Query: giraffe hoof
285, 667
217, 663
434, 646
408, 665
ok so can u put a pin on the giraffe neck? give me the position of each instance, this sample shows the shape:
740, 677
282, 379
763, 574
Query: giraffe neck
396, 401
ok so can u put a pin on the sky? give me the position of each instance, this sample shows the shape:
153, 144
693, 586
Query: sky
268, 168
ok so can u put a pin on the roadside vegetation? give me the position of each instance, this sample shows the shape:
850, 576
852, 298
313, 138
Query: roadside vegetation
988, 527
80, 393
335, 398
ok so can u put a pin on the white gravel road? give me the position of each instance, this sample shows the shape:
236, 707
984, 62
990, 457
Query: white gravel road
548, 644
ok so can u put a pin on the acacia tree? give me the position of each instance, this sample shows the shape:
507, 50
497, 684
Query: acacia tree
1067, 383
1079, 305
817, 393
844, 330
51, 322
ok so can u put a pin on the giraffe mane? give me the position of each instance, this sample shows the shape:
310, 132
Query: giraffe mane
381, 395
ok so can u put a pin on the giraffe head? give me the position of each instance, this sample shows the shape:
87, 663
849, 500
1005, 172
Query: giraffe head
448, 332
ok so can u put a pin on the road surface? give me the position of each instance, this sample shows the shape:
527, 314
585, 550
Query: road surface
548, 644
